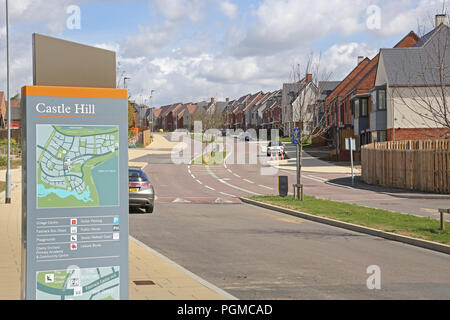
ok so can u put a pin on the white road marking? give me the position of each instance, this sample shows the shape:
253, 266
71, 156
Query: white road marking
178, 200
319, 178
228, 195
199, 181
229, 184
193, 177
313, 178
210, 188
236, 175
230, 171
260, 185
248, 181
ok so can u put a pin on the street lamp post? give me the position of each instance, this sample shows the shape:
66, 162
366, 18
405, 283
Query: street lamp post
8, 165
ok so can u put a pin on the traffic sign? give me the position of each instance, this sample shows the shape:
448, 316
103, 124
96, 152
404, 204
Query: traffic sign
296, 136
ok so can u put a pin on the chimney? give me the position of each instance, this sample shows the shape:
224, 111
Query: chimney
360, 59
441, 18
308, 77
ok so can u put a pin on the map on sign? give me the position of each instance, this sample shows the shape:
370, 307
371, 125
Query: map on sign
77, 166
78, 284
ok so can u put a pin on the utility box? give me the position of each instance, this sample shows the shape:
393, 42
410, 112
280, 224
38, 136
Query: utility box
283, 186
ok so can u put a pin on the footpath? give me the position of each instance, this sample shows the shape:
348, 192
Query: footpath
152, 276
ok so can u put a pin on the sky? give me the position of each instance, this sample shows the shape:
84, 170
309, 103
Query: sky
192, 50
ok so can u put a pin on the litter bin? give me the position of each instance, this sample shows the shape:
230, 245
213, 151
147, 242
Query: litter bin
283, 186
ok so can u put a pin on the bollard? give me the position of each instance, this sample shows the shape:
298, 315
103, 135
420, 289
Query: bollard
442, 212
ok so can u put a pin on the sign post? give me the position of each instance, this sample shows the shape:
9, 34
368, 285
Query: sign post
75, 193
296, 140
350, 144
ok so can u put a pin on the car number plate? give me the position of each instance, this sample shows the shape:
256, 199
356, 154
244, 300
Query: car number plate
134, 190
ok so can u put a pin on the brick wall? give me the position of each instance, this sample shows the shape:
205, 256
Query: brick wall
417, 134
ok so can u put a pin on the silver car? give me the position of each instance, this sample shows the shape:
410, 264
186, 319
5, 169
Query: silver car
141, 192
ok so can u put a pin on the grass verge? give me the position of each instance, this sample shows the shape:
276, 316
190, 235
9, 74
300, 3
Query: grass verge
306, 141
218, 158
2, 186
201, 138
393, 222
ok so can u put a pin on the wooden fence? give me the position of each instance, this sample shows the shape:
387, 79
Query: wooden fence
413, 165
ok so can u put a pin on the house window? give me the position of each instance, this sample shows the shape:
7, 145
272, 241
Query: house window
356, 108
382, 136
381, 100
374, 101
364, 107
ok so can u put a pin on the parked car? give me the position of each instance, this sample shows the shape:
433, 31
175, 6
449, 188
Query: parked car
275, 148
141, 192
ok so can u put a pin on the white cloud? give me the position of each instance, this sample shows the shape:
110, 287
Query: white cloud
229, 9
340, 59
174, 10
284, 24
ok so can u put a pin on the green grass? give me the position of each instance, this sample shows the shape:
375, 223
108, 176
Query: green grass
200, 138
403, 224
2, 186
217, 159
306, 141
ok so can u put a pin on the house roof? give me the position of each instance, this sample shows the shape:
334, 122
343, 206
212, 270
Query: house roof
252, 101
168, 109
156, 112
326, 87
412, 67
419, 65
191, 108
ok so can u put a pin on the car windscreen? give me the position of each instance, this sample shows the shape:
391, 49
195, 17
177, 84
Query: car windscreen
136, 176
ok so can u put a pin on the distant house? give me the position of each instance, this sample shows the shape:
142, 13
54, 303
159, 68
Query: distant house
242, 109
188, 117
232, 109
290, 103
16, 114
253, 118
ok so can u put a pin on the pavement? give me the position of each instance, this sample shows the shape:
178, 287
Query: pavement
152, 275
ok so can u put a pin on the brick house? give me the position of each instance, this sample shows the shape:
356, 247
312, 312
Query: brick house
289, 103
409, 99
349, 104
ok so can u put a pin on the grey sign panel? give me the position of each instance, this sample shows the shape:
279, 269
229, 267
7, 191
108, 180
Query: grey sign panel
54, 59
75, 203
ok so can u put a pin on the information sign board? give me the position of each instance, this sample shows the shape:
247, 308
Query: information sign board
75, 193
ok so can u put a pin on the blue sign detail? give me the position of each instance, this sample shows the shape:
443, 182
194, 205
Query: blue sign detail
296, 136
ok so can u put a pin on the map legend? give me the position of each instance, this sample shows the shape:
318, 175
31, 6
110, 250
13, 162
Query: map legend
58, 238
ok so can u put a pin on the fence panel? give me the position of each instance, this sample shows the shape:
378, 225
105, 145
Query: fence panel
414, 165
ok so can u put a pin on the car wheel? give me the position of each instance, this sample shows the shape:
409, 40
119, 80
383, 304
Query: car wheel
149, 209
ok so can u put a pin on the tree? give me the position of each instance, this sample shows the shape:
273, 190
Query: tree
304, 107
131, 115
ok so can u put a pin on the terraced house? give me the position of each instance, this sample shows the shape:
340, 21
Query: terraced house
349, 105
